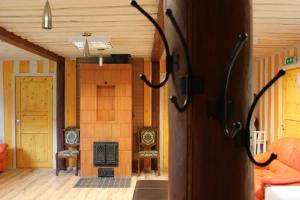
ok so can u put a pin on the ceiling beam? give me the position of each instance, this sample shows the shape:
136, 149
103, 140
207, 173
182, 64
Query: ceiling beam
158, 46
22, 43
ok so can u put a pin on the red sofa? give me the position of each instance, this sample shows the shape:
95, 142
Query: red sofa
3, 157
285, 170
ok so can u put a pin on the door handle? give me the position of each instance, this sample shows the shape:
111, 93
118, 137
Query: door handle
18, 121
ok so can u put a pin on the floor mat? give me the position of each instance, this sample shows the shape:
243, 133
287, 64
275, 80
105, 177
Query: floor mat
151, 189
95, 182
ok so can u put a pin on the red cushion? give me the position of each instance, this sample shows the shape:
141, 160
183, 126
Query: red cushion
3, 151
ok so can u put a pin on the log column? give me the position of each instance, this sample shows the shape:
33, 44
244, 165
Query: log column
204, 164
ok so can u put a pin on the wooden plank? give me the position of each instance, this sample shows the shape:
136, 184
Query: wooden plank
24, 66
40, 66
147, 94
158, 46
70, 93
63, 4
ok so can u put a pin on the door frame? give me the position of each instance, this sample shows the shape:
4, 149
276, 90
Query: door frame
33, 73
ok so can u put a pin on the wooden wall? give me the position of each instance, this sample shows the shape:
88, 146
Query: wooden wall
147, 94
269, 109
117, 128
204, 164
70, 93
70, 99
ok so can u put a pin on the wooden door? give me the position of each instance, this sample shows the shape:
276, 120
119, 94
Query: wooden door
34, 121
291, 104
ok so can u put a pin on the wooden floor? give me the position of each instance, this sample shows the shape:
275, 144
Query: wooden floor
29, 184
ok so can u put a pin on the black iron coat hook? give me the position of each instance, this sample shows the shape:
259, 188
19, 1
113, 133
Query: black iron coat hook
188, 62
248, 131
169, 57
237, 126
164, 39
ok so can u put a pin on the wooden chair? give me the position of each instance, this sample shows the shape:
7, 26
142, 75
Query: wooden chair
70, 137
148, 144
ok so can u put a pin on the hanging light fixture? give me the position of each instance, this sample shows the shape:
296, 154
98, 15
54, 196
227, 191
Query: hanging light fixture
86, 49
100, 58
47, 17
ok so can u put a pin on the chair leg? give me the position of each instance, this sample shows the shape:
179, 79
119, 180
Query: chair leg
158, 166
77, 165
139, 172
57, 165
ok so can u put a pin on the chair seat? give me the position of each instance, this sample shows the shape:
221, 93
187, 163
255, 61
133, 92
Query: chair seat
68, 153
151, 153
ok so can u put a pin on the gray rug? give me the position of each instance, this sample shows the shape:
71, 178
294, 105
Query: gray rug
95, 182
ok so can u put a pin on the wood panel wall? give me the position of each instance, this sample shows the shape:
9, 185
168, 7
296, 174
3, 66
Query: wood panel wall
147, 94
70, 98
203, 163
92, 130
71, 93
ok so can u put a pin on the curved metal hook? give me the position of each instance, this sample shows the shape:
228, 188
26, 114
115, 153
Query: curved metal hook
188, 78
237, 126
164, 39
248, 131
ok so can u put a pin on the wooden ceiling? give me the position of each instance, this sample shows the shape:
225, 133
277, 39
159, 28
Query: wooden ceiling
276, 25
130, 31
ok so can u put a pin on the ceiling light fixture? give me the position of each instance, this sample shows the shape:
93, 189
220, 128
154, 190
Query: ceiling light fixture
86, 50
95, 42
100, 58
47, 17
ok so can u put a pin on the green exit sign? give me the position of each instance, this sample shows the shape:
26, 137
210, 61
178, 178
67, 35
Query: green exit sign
290, 60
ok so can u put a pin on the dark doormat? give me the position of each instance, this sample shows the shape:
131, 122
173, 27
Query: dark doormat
95, 182
150, 190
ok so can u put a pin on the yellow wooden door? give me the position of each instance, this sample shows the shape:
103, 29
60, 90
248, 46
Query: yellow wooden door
34, 121
291, 104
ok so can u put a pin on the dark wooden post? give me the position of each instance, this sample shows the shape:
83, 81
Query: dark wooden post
60, 112
204, 164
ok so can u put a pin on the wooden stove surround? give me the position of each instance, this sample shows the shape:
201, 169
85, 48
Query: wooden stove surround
106, 113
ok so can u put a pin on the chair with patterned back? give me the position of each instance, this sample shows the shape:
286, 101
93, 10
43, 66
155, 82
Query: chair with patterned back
70, 138
148, 141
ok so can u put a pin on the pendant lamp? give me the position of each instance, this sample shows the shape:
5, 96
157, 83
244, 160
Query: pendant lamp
86, 49
47, 17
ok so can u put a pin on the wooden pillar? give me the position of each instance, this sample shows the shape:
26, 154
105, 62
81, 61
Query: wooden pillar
60, 113
204, 164
155, 74
155, 78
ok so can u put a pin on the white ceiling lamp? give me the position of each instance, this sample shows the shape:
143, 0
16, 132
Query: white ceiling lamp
86, 49
95, 42
47, 17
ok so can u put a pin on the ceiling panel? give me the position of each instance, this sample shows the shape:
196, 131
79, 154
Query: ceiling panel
276, 25
130, 31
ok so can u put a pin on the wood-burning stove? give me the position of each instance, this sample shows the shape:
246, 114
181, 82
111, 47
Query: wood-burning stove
106, 154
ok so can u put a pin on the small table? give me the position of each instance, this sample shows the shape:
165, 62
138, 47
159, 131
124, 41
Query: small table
282, 193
